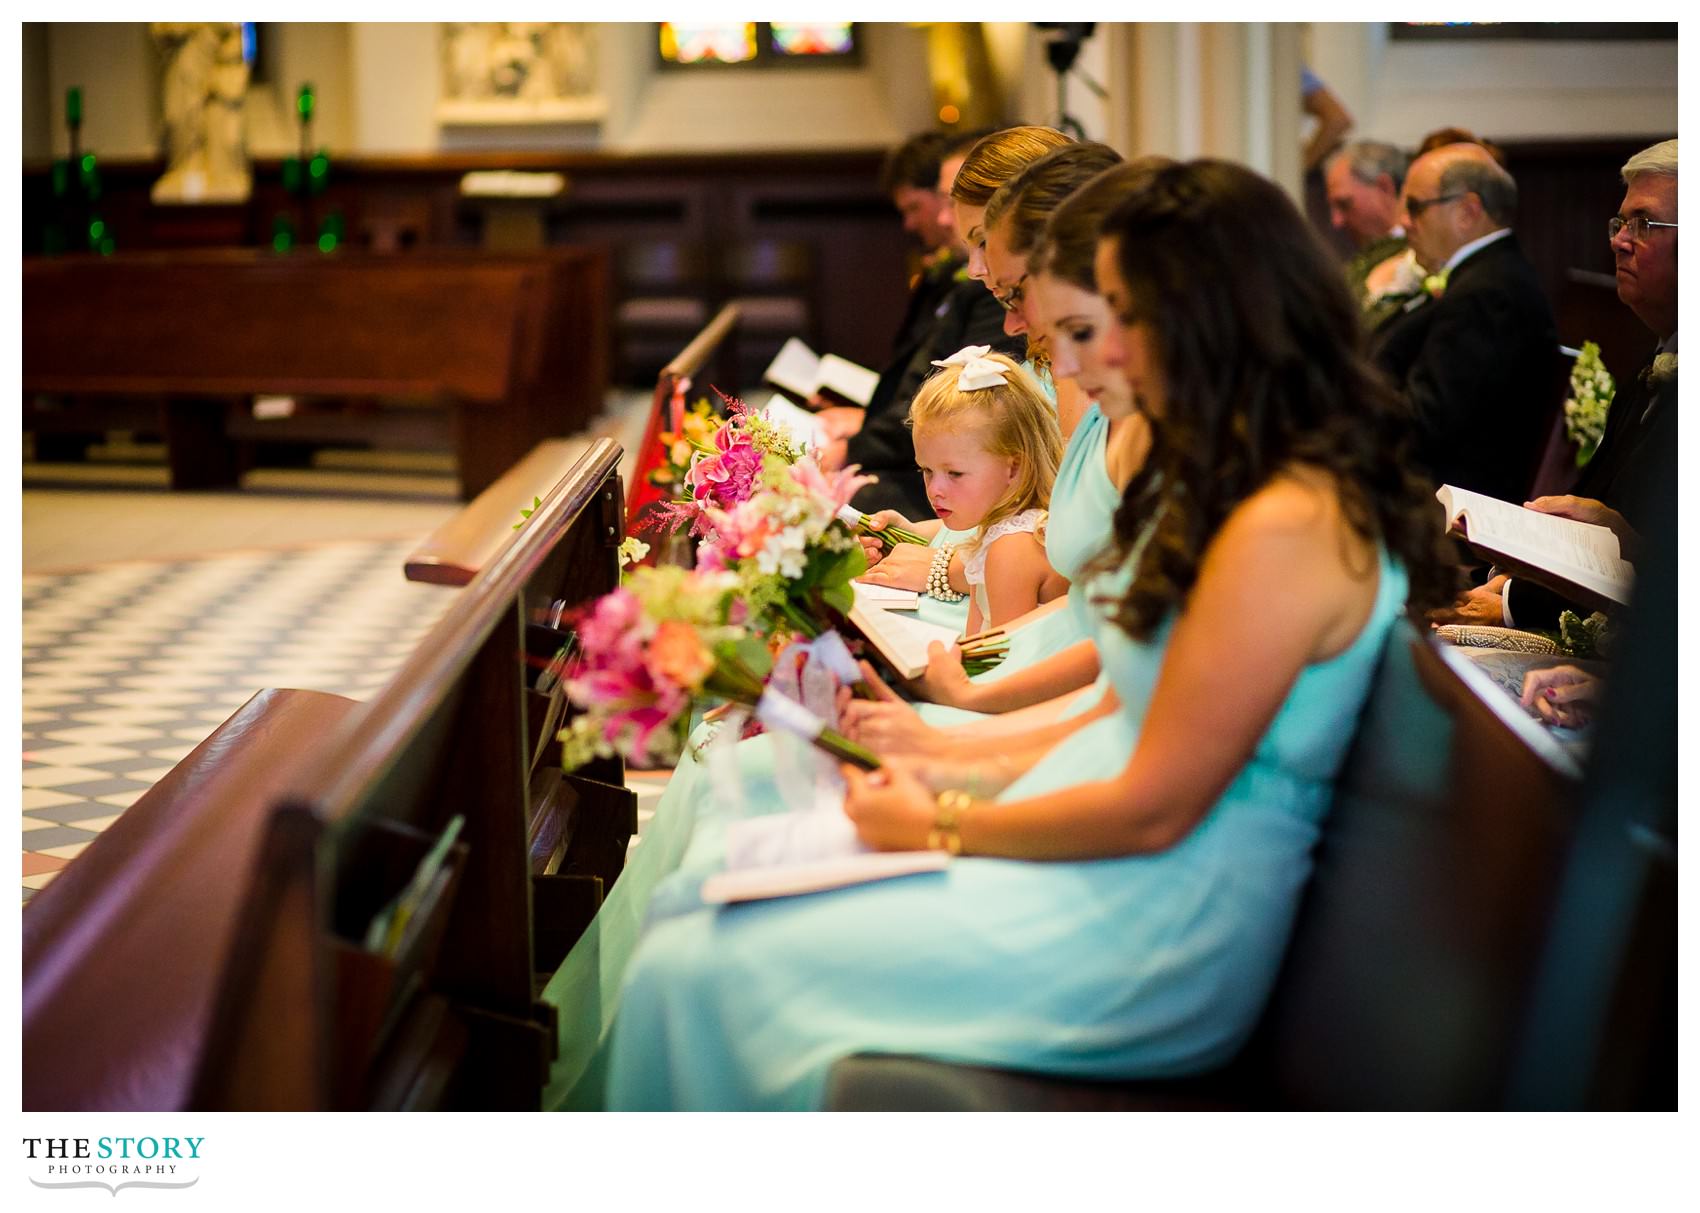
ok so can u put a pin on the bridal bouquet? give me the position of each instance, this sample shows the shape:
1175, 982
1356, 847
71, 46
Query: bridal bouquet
792, 553
1591, 392
719, 467
664, 640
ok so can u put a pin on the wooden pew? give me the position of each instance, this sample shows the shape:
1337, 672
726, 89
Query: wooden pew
515, 348
1408, 980
455, 552
678, 375
224, 913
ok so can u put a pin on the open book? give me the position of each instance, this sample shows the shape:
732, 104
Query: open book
798, 371
801, 424
805, 851
900, 640
1577, 559
888, 596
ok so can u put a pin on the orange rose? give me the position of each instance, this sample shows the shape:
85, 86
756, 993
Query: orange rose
678, 655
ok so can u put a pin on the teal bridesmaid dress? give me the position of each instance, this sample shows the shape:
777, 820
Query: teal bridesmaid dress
1144, 965
585, 989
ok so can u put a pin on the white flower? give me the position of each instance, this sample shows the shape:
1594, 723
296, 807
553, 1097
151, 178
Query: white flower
785, 553
1591, 393
632, 550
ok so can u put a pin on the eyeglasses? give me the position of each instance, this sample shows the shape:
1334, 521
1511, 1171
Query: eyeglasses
1416, 206
1012, 300
1640, 227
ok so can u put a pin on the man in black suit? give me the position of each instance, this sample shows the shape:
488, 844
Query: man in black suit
1616, 489
910, 178
1475, 351
969, 314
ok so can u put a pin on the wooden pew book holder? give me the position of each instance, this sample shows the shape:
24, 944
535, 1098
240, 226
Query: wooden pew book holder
280, 1005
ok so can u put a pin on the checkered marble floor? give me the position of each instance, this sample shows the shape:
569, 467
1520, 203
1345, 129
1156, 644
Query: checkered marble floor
127, 667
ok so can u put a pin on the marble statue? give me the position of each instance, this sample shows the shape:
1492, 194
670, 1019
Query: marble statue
205, 82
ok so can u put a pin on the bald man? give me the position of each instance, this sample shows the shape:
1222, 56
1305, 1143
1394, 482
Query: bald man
1477, 352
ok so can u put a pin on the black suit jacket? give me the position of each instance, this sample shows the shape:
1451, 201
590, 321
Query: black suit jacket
1622, 474
1478, 367
883, 446
926, 296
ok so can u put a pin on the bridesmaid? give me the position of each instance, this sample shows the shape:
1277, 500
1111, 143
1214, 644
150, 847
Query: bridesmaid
583, 989
1015, 225
1123, 899
991, 162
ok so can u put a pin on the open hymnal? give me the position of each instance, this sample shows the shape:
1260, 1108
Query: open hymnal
900, 640
800, 372
804, 851
801, 424
1578, 559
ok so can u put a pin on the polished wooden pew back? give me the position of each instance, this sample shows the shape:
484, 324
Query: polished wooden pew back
516, 347
208, 950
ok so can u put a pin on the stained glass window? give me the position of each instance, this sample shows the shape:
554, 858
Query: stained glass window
812, 38
724, 42
758, 44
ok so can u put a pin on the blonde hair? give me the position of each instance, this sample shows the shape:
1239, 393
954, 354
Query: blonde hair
1015, 419
1000, 156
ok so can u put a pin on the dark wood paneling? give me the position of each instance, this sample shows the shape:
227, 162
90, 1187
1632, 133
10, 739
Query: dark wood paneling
828, 202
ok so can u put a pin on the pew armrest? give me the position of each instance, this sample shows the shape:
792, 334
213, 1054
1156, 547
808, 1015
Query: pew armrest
454, 553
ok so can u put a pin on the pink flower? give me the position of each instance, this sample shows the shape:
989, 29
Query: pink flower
836, 487
739, 533
611, 625
727, 478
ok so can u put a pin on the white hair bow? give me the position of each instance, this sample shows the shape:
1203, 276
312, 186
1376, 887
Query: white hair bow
978, 371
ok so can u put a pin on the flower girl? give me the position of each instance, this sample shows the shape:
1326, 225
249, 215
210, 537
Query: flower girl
987, 444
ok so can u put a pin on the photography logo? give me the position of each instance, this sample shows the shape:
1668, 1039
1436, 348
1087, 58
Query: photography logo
113, 1163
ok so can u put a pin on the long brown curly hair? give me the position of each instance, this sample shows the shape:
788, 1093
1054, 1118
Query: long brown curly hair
1261, 353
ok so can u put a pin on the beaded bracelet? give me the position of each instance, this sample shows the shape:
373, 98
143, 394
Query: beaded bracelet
947, 822
938, 575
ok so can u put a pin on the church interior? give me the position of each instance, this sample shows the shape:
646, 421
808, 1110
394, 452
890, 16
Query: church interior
385, 387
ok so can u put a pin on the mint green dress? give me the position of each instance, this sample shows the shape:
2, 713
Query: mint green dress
1143, 965
1083, 507
585, 989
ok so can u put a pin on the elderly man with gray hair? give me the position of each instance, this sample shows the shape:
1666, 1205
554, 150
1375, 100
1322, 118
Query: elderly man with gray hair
1476, 351
1364, 180
1619, 488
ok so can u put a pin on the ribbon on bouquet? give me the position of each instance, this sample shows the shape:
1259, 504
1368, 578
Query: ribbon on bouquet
799, 704
797, 708
857, 521
829, 653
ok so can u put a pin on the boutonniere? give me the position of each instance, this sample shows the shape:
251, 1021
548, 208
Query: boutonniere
1435, 284
1662, 371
